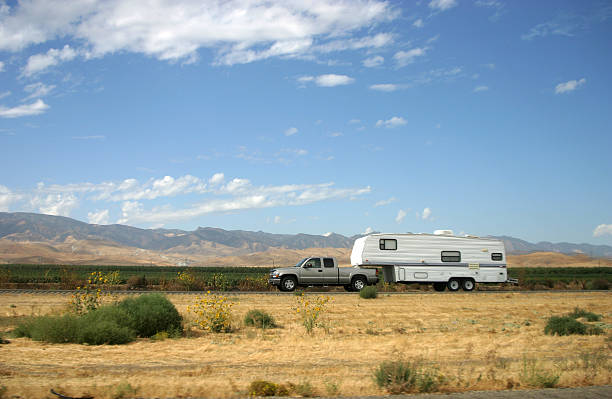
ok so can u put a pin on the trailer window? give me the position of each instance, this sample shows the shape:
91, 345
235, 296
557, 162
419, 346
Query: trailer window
451, 256
497, 256
387, 244
328, 262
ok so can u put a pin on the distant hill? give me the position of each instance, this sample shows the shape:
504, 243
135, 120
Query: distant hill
36, 238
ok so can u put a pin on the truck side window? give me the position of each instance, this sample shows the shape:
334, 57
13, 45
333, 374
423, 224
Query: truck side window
386, 244
314, 263
451, 256
328, 262
497, 256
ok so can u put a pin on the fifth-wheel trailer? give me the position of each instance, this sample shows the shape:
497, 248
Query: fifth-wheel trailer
441, 259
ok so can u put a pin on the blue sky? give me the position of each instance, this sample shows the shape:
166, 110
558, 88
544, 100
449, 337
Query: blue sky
484, 117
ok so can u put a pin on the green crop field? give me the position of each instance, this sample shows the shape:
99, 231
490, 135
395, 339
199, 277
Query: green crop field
252, 278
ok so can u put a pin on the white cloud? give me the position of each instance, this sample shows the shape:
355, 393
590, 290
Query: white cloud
36, 108
569, 86
238, 31
291, 131
217, 178
426, 214
418, 23
388, 87
480, 88
37, 90
5, 94
354, 121
602, 229
391, 123
60, 204
336, 134
6, 198
246, 198
277, 219
368, 230
1, 66
98, 217
401, 214
39, 62
331, 80
375, 61
236, 195
442, 5
404, 58
385, 202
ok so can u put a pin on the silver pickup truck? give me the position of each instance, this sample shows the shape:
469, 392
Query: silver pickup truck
322, 271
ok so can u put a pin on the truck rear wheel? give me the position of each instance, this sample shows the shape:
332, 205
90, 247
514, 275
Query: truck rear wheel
453, 284
288, 283
439, 286
468, 284
358, 283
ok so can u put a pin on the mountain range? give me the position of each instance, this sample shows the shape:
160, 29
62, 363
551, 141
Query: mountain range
45, 234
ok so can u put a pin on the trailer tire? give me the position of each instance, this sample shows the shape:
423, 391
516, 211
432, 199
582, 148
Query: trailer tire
439, 286
288, 284
468, 284
348, 288
453, 284
358, 283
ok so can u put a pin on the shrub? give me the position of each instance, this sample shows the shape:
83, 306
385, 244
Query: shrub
368, 292
112, 324
565, 325
213, 312
590, 316
532, 375
600, 284
150, 314
310, 310
136, 282
74, 329
305, 389
267, 388
403, 376
259, 318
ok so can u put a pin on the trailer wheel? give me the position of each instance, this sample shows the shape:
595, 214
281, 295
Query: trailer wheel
439, 286
288, 283
358, 283
348, 288
453, 284
468, 284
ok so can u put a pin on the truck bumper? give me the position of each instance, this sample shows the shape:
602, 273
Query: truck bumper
274, 281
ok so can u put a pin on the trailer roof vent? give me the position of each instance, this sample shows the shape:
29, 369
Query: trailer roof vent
443, 232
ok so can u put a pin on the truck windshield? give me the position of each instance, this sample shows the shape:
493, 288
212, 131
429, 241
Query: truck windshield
299, 264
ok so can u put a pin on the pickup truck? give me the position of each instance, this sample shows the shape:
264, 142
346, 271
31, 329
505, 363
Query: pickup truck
322, 271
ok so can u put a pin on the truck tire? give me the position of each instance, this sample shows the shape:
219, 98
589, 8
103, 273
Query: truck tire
288, 283
358, 283
439, 286
453, 284
468, 284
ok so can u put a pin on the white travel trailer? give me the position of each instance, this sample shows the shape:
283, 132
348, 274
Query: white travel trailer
441, 259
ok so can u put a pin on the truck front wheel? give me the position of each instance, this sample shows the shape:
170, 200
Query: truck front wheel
358, 283
288, 283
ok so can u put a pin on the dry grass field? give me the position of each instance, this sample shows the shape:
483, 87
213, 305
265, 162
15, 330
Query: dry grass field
477, 341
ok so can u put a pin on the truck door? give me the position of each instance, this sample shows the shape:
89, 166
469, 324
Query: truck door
330, 271
312, 273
